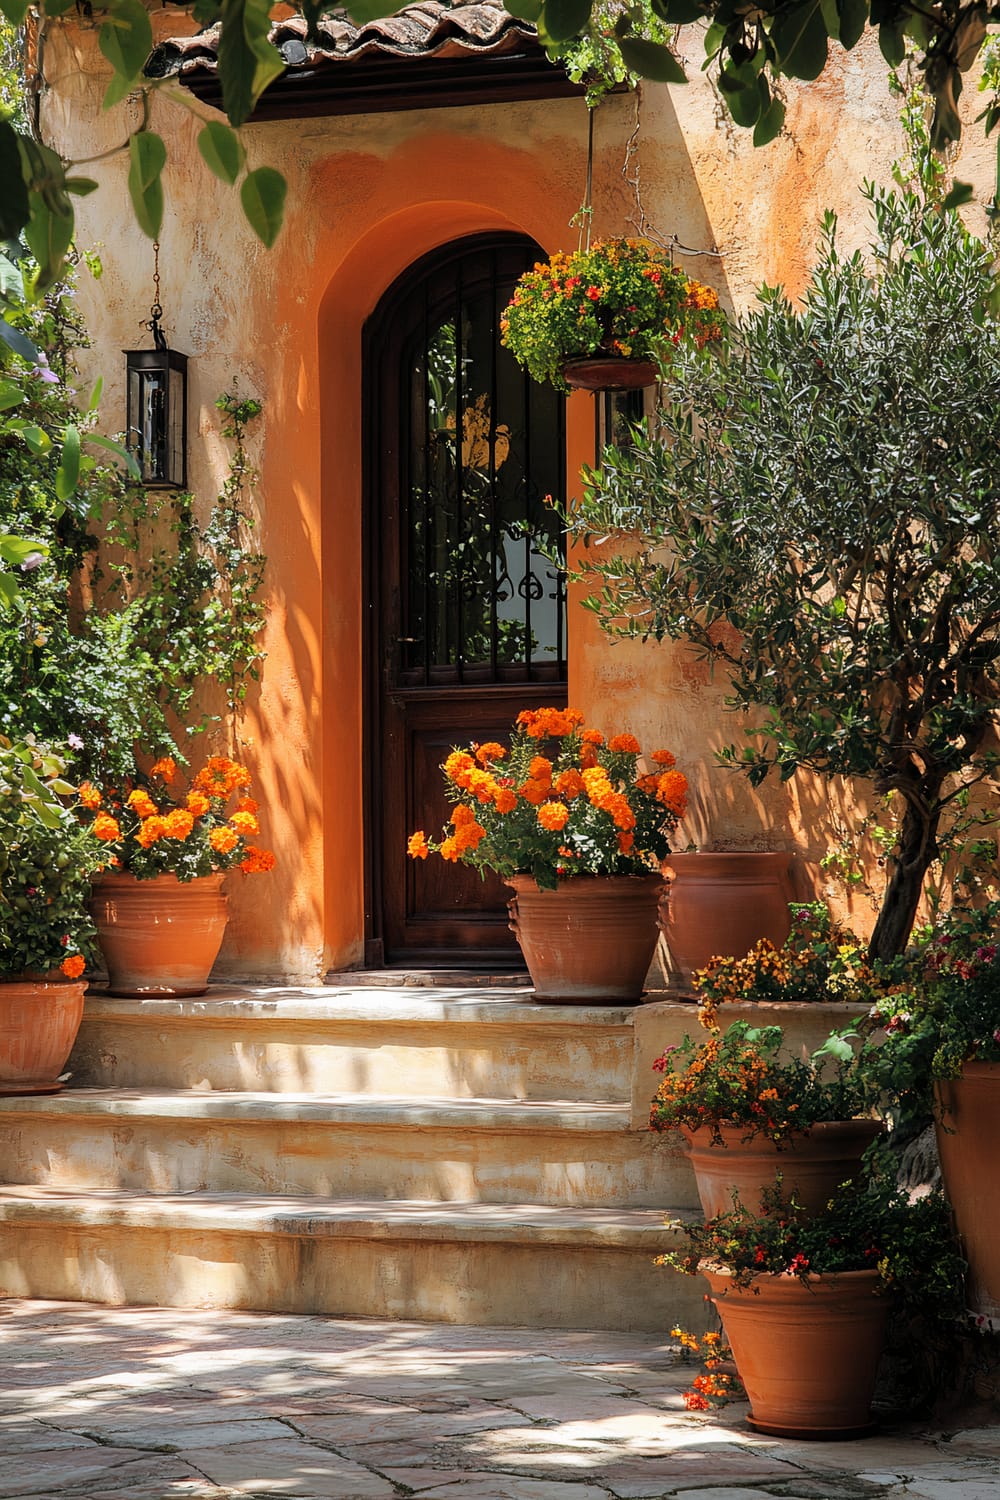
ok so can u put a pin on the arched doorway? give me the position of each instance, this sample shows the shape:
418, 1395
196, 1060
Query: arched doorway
465, 615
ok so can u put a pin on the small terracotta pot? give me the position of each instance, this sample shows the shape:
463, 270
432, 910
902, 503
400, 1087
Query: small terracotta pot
590, 941
605, 372
807, 1354
724, 903
159, 936
968, 1129
39, 1020
812, 1163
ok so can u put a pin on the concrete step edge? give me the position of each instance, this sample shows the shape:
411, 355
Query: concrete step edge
338, 1006
381, 1111
645, 1230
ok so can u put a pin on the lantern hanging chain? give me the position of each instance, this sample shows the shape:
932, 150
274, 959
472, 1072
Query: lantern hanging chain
156, 311
632, 173
584, 215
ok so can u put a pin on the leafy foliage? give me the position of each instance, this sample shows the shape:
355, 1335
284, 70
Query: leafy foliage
821, 523
583, 809
120, 603
46, 861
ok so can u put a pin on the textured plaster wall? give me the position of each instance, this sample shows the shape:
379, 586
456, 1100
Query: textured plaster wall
367, 196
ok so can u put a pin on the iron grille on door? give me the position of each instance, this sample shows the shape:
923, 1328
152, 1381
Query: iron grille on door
482, 452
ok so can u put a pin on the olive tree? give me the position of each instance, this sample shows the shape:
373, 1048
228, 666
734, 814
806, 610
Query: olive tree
829, 490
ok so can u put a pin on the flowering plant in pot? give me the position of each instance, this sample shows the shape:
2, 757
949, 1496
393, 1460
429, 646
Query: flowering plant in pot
622, 299
819, 961
938, 1027
799, 1295
749, 1111
568, 815
161, 915
47, 861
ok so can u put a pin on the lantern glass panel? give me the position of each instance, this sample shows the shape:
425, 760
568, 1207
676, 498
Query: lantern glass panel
156, 415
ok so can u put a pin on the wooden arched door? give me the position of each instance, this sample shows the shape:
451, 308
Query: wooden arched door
466, 618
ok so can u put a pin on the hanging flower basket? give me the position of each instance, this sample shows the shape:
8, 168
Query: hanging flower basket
621, 303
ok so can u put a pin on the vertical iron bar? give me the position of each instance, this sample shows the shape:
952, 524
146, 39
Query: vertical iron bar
560, 576
495, 541
459, 471
429, 613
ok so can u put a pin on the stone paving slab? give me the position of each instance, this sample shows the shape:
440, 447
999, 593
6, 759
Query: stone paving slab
100, 1403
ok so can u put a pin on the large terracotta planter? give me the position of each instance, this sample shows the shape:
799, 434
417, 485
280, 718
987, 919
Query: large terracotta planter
159, 936
608, 372
968, 1132
812, 1163
807, 1354
39, 1020
591, 941
724, 903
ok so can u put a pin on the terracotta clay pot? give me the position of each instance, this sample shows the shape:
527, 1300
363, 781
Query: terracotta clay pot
724, 903
968, 1129
39, 1020
605, 372
812, 1163
591, 941
159, 936
807, 1354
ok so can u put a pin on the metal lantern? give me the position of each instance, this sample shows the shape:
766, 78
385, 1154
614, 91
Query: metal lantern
156, 404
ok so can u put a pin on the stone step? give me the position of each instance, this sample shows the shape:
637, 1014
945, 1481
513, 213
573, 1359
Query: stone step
465, 1150
504, 1264
438, 1043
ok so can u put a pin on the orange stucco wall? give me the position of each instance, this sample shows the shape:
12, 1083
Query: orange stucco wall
367, 197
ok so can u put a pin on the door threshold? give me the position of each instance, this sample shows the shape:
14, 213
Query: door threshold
468, 979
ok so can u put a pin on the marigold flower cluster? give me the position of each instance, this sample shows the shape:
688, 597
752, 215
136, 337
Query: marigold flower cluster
621, 297
561, 800
152, 830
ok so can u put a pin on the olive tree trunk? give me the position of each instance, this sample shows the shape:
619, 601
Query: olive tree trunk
915, 853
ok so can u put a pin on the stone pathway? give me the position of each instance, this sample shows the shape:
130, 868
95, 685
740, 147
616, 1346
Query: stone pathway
104, 1403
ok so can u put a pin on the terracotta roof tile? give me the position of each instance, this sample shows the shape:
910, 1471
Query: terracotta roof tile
430, 28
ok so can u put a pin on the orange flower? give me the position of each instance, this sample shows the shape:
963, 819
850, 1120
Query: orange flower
223, 840
624, 744
553, 816
625, 843
461, 814
150, 830
73, 966
197, 804
540, 769
490, 751
482, 785
221, 776
457, 767
177, 824
568, 784
534, 792
592, 737
106, 828
672, 792
167, 768
89, 796
450, 849
247, 804
417, 846
664, 758
257, 861
141, 803
245, 823
505, 800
